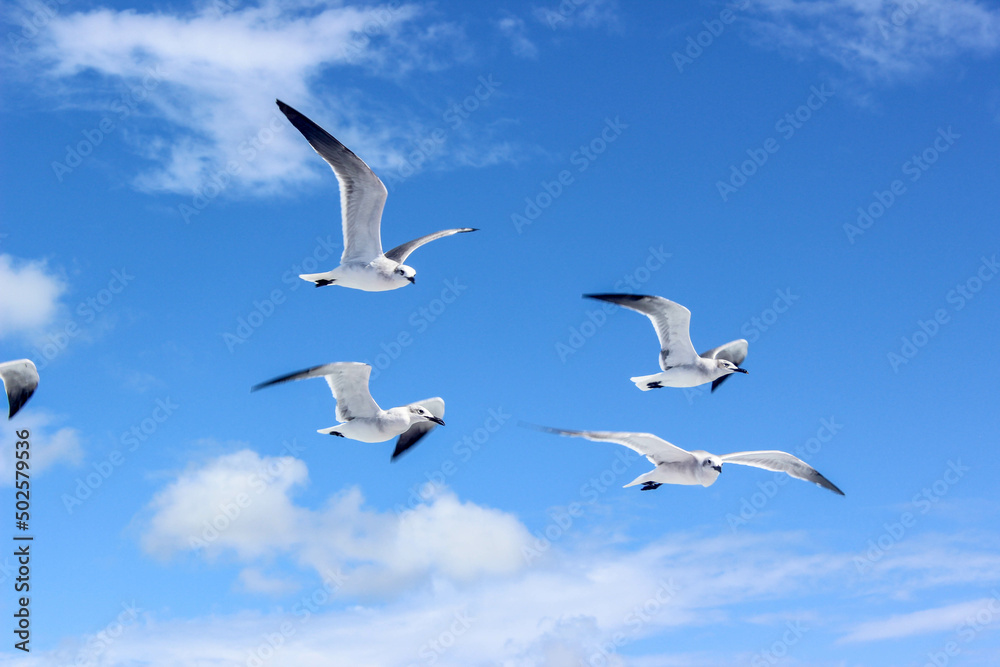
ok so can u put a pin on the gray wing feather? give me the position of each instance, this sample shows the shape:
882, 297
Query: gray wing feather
671, 320
401, 252
654, 448
348, 381
734, 351
20, 379
412, 436
781, 462
362, 193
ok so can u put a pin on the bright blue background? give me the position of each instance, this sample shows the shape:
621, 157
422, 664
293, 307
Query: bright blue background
496, 345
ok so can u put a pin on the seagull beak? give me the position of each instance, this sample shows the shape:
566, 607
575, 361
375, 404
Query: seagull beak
743, 370
717, 468
412, 279
436, 420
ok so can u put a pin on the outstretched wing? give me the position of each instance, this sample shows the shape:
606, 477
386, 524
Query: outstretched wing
401, 252
362, 194
348, 381
656, 449
412, 436
20, 379
734, 351
671, 320
781, 462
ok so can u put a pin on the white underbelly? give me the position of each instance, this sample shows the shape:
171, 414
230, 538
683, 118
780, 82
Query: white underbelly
370, 430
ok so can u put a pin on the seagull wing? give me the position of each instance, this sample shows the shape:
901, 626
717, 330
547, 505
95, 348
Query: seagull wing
401, 252
20, 378
781, 462
362, 194
656, 449
348, 381
734, 351
671, 321
412, 436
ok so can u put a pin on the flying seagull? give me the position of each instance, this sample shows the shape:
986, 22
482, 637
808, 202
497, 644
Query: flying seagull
682, 367
679, 466
20, 378
363, 265
362, 418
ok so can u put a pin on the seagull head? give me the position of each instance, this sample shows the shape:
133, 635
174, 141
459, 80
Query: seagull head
404, 272
710, 468
420, 413
729, 367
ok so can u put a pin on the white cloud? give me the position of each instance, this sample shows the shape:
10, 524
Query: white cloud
196, 90
242, 503
880, 39
555, 612
29, 295
236, 502
47, 448
584, 600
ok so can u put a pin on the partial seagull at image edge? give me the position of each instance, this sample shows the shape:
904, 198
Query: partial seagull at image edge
20, 379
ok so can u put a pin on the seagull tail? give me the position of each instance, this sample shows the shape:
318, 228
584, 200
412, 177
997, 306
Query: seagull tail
641, 479
647, 382
318, 279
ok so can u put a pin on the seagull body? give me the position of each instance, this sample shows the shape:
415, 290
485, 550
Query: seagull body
363, 265
680, 466
362, 419
20, 379
681, 365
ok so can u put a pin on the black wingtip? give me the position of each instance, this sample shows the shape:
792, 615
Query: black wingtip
615, 297
17, 402
535, 427
283, 378
546, 429
827, 484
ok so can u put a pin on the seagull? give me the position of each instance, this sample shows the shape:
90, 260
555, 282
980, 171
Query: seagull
679, 466
682, 367
20, 378
363, 265
362, 418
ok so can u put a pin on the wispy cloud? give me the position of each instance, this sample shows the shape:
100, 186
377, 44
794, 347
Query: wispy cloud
879, 39
217, 72
515, 29
926, 621
563, 15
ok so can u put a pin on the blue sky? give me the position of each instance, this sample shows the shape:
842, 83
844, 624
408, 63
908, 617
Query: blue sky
820, 178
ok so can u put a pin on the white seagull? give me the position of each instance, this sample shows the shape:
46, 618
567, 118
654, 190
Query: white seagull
363, 265
362, 418
679, 466
682, 366
20, 378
